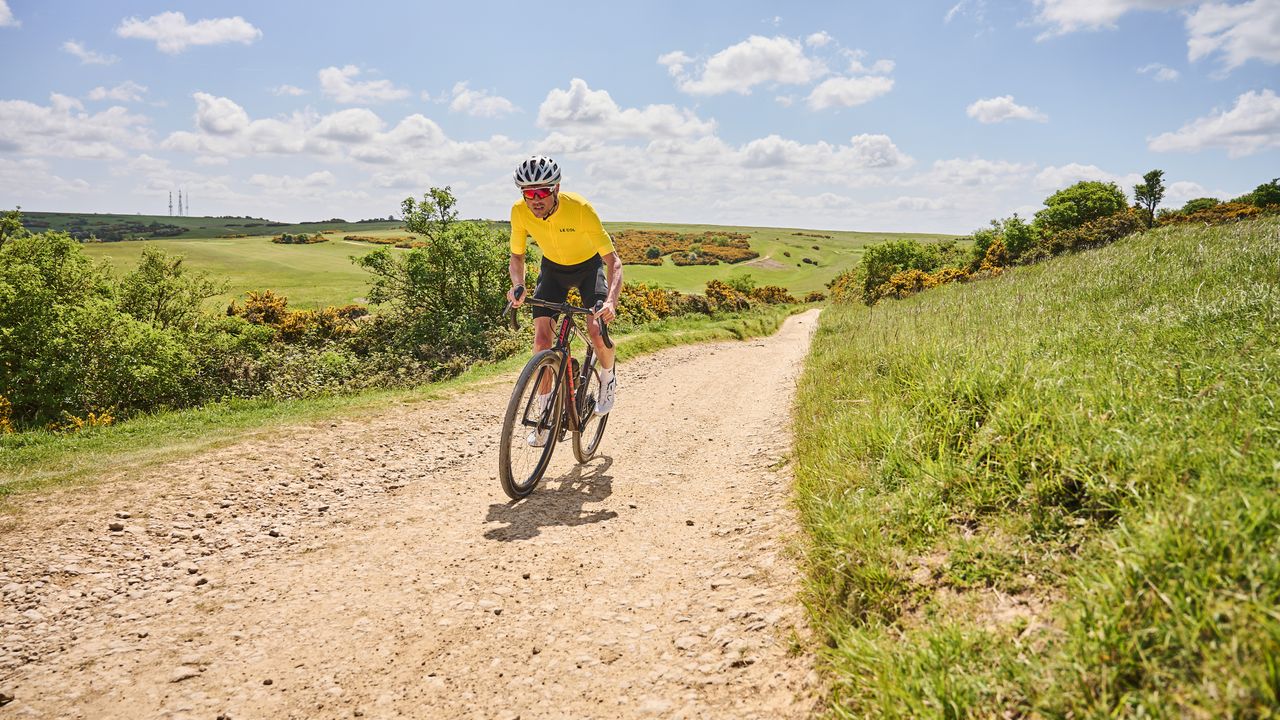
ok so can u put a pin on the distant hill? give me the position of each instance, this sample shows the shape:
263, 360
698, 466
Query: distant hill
113, 228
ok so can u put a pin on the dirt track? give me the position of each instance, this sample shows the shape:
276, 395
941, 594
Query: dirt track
375, 569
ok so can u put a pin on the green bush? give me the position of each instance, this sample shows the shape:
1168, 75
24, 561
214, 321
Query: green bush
1081, 203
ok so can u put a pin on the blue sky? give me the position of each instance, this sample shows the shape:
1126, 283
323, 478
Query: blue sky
922, 116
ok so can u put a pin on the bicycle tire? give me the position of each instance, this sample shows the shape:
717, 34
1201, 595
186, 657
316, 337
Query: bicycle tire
586, 440
517, 476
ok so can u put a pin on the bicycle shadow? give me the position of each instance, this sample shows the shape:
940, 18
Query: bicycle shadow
558, 501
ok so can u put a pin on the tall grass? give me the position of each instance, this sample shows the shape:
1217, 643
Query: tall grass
1054, 493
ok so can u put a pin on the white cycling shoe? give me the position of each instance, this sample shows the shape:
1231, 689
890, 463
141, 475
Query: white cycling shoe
608, 394
538, 438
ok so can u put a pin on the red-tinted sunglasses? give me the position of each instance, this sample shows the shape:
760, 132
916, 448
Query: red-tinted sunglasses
540, 193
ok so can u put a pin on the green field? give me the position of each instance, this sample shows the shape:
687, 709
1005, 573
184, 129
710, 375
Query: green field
323, 274
1053, 494
833, 254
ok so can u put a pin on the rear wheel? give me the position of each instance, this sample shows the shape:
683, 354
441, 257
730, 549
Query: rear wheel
591, 426
530, 428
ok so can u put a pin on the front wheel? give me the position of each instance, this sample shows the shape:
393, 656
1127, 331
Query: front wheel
591, 426
531, 425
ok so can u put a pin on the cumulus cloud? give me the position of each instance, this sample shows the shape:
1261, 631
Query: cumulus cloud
1251, 126
290, 183
223, 129
975, 173
1238, 33
6, 16
848, 91
818, 39
356, 125
219, 115
581, 109
87, 57
479, 103
287, 90
341, 85
64, 129
999, 109
1055, 178
739, 68
28, 181
1159, 72
172, 33
127, 91
1067, 16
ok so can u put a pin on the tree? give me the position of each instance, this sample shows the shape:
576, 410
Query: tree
164, 294
1072, 207
1148, 194
1263, 195
444, 299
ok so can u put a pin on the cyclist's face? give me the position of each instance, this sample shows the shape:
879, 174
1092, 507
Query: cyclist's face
541, 203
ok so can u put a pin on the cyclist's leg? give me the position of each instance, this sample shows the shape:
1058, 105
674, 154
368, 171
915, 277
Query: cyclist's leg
594, 288
551, 288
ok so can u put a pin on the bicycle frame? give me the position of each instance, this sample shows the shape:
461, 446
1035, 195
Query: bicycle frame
563, 340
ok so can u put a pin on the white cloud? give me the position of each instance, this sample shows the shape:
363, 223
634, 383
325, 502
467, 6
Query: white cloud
28, 181
1252, 126
877, 151
1178, 193
818, 39
87, 57
290, 183
219, 115
1159, 72
340, 84
64, 129
6, 16
479, 103
287, 90
955, 10
172, 33
356, 125
1066, 16
582, 109
999, 109
1057, 177
974, 173
848, 91
754, 61
127, 91
1239, 33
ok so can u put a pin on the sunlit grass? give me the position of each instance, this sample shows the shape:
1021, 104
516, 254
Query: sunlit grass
1054, 493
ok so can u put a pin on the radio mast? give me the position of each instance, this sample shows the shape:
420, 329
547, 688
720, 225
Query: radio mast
179, 202
170, 203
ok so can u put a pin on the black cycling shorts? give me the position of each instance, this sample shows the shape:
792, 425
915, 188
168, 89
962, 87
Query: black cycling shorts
554, 281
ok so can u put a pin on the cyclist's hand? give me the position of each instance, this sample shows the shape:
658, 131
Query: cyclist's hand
607, 313
516, 299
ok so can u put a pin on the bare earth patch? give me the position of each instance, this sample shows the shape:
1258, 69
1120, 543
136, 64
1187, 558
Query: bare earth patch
375, 569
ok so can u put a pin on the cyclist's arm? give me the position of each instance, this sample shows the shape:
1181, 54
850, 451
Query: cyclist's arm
516, 269
614, 263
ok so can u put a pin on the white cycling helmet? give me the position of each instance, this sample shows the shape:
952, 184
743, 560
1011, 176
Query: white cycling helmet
537, 171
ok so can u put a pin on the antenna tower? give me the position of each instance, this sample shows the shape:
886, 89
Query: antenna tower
179, 202
170, 203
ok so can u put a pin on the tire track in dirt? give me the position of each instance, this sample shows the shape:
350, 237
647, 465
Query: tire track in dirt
375, 569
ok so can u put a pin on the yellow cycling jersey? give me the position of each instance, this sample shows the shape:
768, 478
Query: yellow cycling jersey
572, 234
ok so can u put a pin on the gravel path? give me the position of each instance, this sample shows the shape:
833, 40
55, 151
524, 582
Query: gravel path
375, 569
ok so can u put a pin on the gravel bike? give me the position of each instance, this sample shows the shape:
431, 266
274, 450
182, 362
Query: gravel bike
554, 397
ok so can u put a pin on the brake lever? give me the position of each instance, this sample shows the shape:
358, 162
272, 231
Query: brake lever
604, 327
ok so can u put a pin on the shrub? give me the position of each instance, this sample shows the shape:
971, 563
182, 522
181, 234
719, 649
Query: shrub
722, 297
640, 303
1081, 203
771, 295
1216, 214
6, 416
444, 299
1102, 231
814, 296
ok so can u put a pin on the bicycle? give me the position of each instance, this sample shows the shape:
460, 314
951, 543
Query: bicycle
574, 387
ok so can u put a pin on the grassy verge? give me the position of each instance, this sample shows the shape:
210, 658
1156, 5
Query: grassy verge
1054, 494
34, 460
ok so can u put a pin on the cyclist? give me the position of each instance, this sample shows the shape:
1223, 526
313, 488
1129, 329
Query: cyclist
575, 251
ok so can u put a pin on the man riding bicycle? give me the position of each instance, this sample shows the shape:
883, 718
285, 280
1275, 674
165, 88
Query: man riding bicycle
575, 251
